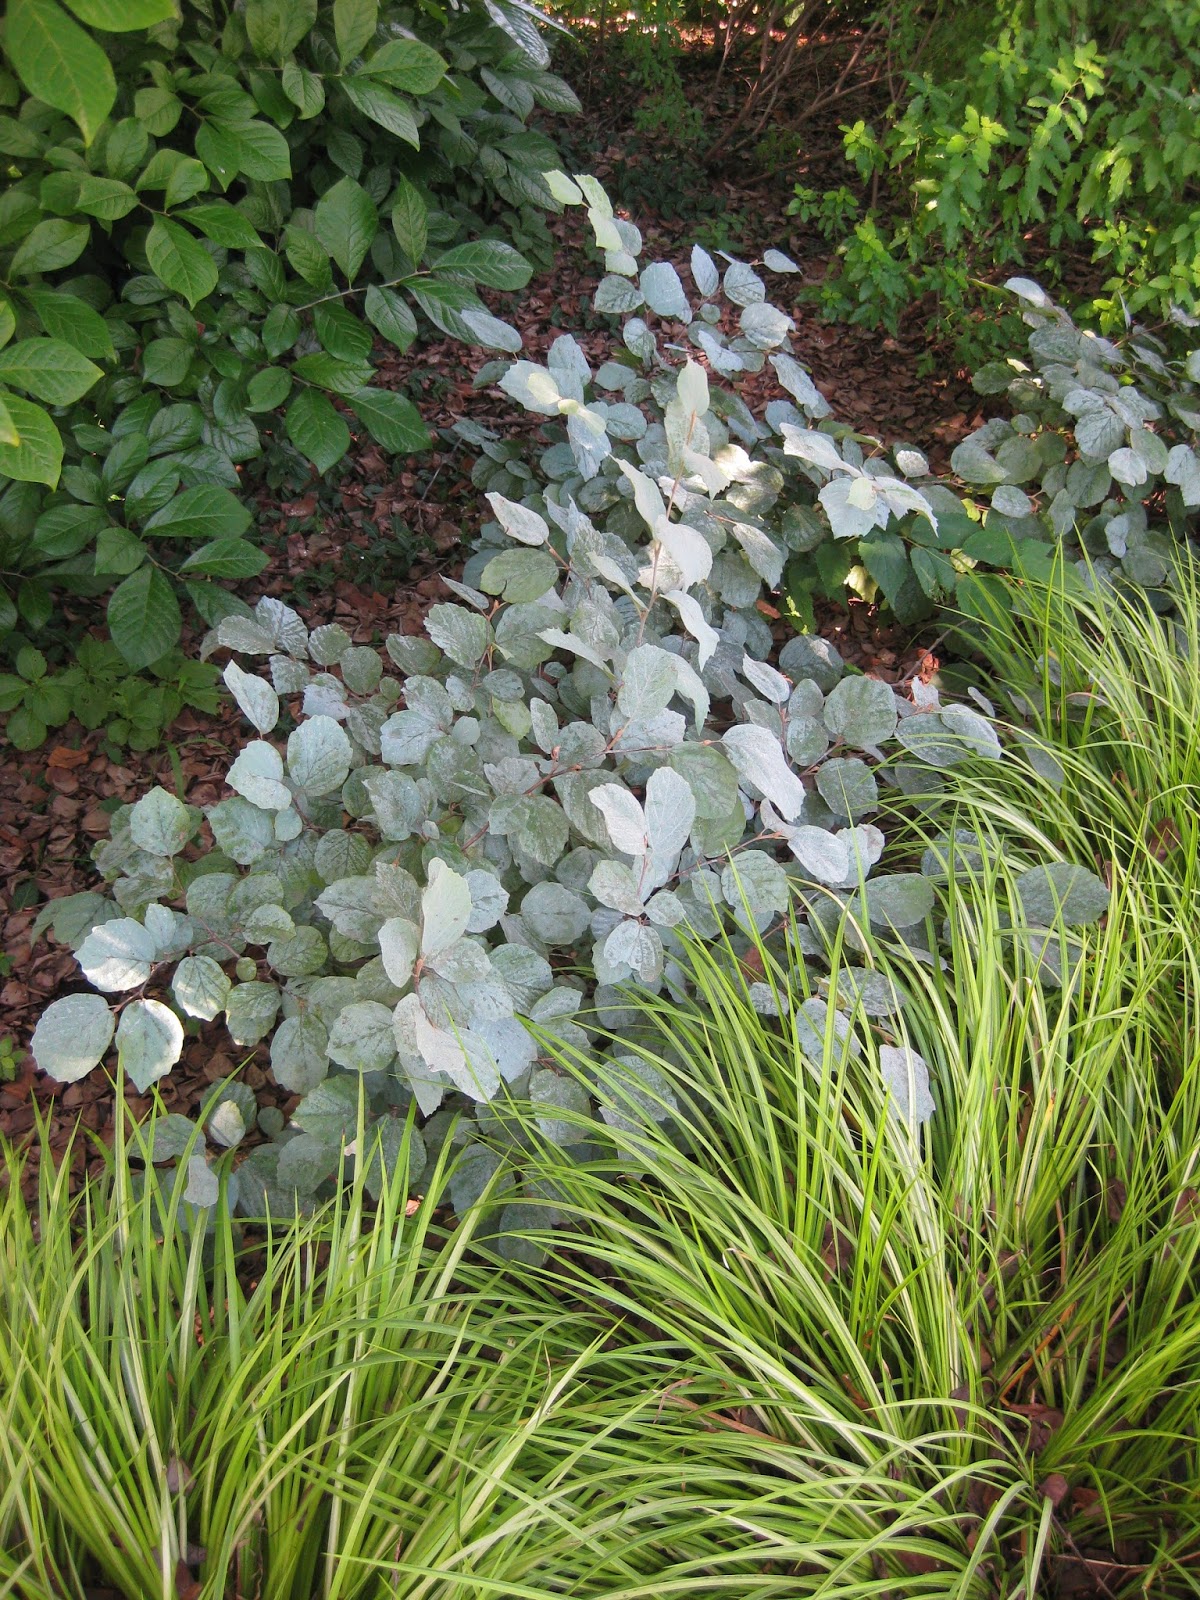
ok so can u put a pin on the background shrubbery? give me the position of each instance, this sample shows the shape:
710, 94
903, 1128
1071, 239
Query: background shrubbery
202, 240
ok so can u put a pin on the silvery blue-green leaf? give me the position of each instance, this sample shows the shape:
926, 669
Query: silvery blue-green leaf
899, 901
489, 900
507, 1041
623, 817
1098, 433
818, 449
149, 1040
567, 193
325, 696
973, 464
906, 1078
754, 878
518, 521
172, 933
928, 737
639, 339
257, 775
1127, 467
544, 723
445, 909
256, 698
636, 946
532, 387
709, 775
285, 626
689, 552
648, 681
765, 325
1183, 469
227, 1126
763, 554
616, 294
704, 272
524, 973
707, 638
623, 421
776, 261
117, 955
200, 987
554, 914
462, 963
614, 885
691, 389
172, 1136
300, 1054
645, 735
203, 1187
330, 1111
633, 1092
873, 991
550, 1093
318, 756
361, 1037
328, 644
823, 855
396, 804
758, 757
852, 506
847, 787
472, 1173
769, 683
665, 909
664, 293
361, 669
341, 854
800, 386
407, 737
463, 635
305, 1163
490, 331
399, 946
240, 633
806, 740
724, 362
1061, 891
743, 285
299, 954
808, 656
975, 731
670, 810
72, 1036
861, 711
250, 1011
160, 824
1011, 501
620, 261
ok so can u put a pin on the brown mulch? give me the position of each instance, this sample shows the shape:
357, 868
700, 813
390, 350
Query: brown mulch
370, 553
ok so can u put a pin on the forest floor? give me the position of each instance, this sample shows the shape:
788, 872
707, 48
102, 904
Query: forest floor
371, 550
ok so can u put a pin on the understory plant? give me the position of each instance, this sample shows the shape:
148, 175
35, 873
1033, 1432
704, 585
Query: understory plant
601, 741
209, 220
1066, 123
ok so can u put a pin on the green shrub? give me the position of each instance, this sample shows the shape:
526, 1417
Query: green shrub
1072, 124
202, 240
558, 793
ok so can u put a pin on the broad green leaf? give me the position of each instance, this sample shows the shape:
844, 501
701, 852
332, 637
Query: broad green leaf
275, 27
144, 617
71, 320
72, 1036
487, 261
410, 217
382, 107
123, 16
406, 64
182, 263
160, 823
345, 220
224, 224
391, 420
354, 24
304, 89
37, 457
268, 389
47, 369
59, 63
390, 316
317, 430
51, 245
205, 512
